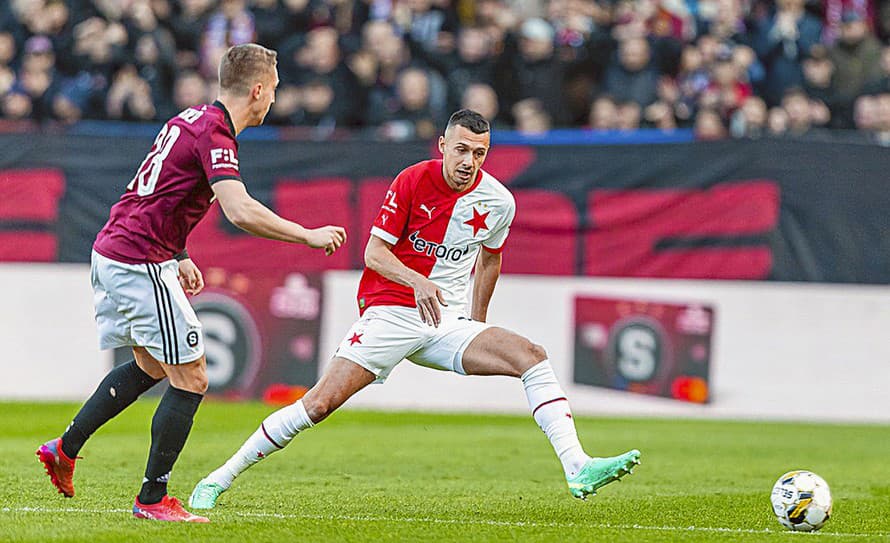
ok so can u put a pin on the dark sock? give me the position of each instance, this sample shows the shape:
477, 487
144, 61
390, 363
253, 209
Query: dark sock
118, 390
169, 429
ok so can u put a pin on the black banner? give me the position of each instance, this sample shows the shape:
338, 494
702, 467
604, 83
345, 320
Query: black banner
766, 209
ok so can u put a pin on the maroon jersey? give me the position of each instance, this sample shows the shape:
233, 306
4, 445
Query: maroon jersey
171, 190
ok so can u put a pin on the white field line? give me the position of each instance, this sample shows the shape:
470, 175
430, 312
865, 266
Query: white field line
460, 522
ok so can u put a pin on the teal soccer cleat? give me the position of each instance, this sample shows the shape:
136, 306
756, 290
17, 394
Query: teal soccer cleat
598, 472
205, 494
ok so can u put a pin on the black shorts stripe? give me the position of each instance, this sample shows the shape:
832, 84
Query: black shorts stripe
167, 303
161, 320
172, 315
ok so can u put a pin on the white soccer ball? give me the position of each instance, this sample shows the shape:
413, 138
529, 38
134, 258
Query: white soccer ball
801, 501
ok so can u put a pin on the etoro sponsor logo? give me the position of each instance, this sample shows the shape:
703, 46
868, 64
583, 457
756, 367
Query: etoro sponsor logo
432, 248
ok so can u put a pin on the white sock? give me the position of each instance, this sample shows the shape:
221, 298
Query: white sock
274, 434
551, 410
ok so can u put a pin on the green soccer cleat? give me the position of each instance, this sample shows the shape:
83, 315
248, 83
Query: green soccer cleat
205, 494
598, 472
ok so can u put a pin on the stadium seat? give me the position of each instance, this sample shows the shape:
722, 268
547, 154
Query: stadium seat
718, 233
543, 238
312, 203
29, 208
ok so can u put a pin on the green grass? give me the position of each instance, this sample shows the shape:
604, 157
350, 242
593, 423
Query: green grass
365, 476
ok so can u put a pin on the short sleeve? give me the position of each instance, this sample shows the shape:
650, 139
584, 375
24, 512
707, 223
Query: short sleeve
393, 216
218, 152
495, 241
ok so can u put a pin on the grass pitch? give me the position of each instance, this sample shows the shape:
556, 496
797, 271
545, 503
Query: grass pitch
364, 476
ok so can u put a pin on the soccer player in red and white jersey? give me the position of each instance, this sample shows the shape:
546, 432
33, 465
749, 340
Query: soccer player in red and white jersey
439, 218
141, 272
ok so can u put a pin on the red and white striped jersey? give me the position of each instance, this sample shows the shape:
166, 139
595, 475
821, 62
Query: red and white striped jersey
437, 232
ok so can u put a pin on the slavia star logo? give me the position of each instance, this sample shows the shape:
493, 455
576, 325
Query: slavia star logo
356, 338
478, 221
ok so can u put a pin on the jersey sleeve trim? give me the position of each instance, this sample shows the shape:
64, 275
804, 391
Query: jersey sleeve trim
384, 235
218, 178
496, 250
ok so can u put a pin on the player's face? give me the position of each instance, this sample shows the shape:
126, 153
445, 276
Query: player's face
267, 95
463, 152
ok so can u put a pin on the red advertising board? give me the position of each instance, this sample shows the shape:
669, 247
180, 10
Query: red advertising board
261, 330
645, 347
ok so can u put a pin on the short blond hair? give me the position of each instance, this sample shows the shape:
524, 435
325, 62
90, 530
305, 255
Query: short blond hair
243, 65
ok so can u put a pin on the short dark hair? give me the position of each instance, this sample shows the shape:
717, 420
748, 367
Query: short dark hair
242, 65
469, 119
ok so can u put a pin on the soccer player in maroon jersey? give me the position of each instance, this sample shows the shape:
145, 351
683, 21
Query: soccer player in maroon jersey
140, 272
439, 219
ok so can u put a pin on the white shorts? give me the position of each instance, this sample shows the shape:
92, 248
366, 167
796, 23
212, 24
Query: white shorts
144, 305
386, 335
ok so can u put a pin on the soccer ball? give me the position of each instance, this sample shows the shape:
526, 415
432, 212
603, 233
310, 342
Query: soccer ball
801, 501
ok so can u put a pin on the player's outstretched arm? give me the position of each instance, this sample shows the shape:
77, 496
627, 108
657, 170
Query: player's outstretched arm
488, 270
248, 214
380, 258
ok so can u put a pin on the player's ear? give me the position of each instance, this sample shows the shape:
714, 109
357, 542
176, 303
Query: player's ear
256, 91
442, 144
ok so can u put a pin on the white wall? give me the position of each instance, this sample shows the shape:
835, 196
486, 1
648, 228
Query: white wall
780, 350
49, 345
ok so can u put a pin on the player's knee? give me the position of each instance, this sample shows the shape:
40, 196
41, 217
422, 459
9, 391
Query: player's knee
531, 354
537, 352
194, 381
201, 383
318, 409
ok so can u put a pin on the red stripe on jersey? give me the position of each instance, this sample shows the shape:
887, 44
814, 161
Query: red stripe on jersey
417, 210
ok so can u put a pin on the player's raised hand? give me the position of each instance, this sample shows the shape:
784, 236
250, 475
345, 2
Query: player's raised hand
428, 297
329, 238
190, 277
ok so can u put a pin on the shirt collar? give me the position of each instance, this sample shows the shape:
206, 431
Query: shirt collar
225, 111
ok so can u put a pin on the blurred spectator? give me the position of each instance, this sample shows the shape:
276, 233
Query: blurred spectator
316, 108
17, 105
189, 90
321, 57
481, 98
129, 98
427, 24
633, 77
531, 70
749, 121
472, 62
531, 117
725, 92
782, 41
709, 125
231, 24
603, 113
865, 113
856, 56
414, 118
628, 117
187, 26
7, 49
652, 63
37, 75
818, 72
797, 105
880, 84
777, 121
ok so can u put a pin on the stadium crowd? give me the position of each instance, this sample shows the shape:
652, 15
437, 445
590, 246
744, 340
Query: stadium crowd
396, 68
